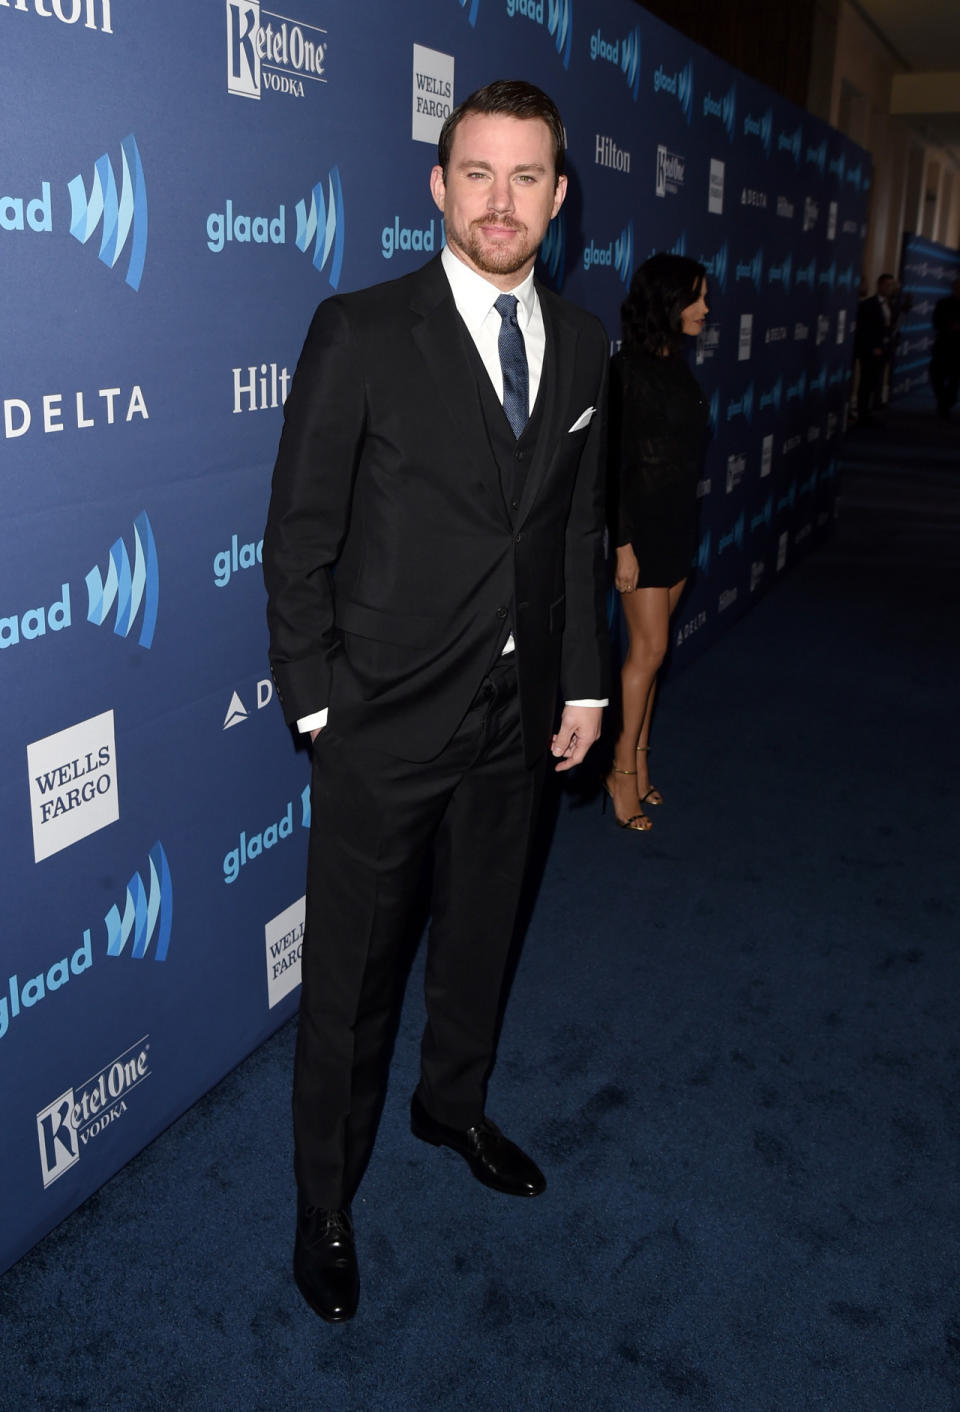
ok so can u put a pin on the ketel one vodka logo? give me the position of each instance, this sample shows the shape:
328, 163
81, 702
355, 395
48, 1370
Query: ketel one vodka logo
85, 1110
123, 213
269, 50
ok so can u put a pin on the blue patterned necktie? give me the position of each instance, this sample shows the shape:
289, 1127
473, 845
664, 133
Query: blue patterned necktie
513, 364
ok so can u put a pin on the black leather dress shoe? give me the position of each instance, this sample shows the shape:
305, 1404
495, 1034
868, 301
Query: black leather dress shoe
492, 1158
325, 1262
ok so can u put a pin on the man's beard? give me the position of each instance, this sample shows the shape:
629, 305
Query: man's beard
490, 259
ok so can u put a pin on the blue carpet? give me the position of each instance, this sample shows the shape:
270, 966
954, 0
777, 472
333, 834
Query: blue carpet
732, 1044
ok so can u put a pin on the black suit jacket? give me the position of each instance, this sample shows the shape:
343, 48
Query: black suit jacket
393, 565
872, 331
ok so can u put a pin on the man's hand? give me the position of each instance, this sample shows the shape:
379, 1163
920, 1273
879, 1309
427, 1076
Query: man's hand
579, 728
314, 734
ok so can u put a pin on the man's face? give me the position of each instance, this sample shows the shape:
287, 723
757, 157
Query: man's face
500, 194
885, 288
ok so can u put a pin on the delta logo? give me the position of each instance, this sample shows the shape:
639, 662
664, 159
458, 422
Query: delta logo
761, 127
679, 85
143, 925
127, 590
319, 225
724, 108
617, 255
556, 16
118, 209
624, 53
267, 51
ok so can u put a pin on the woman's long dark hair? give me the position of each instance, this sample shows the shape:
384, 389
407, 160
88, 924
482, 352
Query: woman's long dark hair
660, 290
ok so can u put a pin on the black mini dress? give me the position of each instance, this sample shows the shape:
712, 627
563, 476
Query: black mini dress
658, 428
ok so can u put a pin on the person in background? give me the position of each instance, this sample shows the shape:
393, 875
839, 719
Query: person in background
945, 361
872, 343
658, 425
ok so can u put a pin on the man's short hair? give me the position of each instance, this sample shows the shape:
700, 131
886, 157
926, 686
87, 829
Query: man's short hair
512, 98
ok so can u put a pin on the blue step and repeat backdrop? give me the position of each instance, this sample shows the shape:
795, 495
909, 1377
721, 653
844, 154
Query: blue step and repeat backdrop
180, 185
927, 274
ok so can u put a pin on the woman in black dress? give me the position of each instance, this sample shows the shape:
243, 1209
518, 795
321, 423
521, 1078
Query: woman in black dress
658, 423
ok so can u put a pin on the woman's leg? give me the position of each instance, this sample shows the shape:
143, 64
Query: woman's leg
647, 615
643, 740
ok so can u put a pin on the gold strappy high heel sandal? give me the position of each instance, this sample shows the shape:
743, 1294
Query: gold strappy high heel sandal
638, 823
653, 795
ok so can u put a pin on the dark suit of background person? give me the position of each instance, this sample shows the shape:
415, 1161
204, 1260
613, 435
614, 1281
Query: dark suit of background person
945, 361
872, 342
453, 539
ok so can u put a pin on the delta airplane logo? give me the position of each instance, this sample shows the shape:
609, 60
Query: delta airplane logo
716, 267
724, 108
679, 85
278, 55
625, 53
120, 211
553, 252
320, 226
474, 8
124, 588
555, 15
791, 142
761, 127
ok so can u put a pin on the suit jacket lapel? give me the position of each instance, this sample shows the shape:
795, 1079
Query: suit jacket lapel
555, 387
441, 337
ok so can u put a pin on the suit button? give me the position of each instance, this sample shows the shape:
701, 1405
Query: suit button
518, 538
515, 504
520, 455
501, 612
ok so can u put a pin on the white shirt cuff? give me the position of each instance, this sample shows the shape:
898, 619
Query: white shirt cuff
314, 722
587, 703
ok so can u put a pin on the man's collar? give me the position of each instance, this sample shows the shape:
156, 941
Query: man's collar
475, 296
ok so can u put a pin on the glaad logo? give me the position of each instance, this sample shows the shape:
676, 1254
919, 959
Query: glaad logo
227, 562
323, 224
742, 407
397, 237
92, 9
751, 269
817, 157
791, 142
618, 254
625, 53
761, 127
82, 1113
145, 916
724, 108
474, 7
819, 383
713, 414
734, 535
273, 56
763, 519
557, 15
703, 555
857, 178
773, 398
123, 216
253, 846
129, 589
829, 275
73, 784
837, 166
806, 274
788, 500
679, 84
797, 391
716, 267
670, 170
780, 274
553, 251
320, 224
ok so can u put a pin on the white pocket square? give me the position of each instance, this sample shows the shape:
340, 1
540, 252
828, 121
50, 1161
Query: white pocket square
584, 420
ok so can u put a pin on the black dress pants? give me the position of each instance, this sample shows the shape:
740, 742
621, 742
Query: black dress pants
377, 824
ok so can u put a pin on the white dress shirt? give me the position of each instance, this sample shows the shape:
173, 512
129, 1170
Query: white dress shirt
475, 298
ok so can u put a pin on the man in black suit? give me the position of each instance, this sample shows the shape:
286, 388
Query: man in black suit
945, 360
443, 450
872, 343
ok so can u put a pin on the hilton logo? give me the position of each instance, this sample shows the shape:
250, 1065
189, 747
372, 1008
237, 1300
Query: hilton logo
95, 13
608, 154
